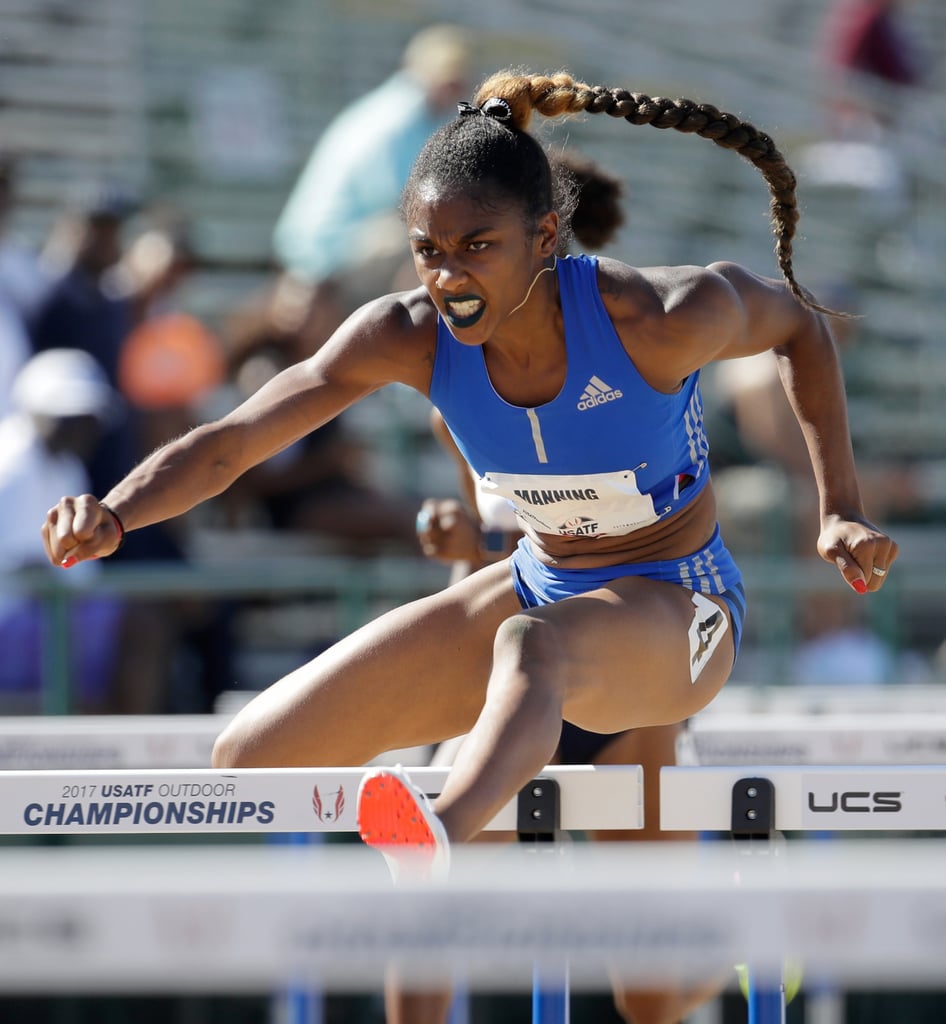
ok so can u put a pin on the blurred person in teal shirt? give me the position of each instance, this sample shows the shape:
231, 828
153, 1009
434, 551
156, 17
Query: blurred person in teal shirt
340, 231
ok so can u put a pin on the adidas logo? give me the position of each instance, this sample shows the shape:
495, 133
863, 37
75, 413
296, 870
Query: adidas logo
598, 393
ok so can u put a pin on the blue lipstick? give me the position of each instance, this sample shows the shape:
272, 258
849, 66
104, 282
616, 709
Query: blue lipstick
461, 322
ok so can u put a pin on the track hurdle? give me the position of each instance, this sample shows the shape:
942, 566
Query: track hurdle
809, 797
760, 803
251, 918
113, 742
819, 726
297, 801
277, 800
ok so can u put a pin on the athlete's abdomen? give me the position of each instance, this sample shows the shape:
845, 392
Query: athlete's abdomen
674, 537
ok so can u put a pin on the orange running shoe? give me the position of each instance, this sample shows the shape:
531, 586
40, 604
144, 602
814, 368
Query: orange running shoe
395, 817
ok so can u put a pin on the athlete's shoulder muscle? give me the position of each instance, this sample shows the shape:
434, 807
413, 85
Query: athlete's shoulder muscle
391, 339
668, 318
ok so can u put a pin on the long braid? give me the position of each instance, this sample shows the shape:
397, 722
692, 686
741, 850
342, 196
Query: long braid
556, 95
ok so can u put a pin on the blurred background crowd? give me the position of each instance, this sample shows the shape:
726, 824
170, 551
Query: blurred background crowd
192, 195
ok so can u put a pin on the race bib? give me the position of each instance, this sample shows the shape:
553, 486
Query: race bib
590, 505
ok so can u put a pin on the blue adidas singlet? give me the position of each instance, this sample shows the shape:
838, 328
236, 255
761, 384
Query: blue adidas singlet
608, 455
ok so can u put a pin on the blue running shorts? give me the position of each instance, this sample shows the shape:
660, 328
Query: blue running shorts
711, 570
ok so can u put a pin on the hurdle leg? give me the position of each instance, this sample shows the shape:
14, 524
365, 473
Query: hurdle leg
752, 825
298, 1005
766, 1005
551, 999
538, 817
460, 1007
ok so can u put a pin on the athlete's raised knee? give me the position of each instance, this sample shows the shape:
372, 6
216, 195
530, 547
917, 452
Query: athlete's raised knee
224, 753
529, 642
234, 748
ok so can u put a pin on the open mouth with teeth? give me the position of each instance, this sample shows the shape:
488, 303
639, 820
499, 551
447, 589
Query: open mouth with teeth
465, 310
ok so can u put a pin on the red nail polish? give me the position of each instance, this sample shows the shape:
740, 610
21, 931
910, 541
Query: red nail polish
69, 561
860, 586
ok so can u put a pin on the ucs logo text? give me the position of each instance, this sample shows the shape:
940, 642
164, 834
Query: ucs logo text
857, 802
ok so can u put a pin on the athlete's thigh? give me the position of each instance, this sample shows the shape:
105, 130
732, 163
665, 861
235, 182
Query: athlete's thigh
627, 659
416, 675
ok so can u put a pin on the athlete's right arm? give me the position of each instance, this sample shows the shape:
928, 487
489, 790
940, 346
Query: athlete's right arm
387, 340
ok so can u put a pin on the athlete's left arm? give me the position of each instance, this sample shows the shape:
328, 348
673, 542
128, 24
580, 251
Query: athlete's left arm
675, 320
810, 371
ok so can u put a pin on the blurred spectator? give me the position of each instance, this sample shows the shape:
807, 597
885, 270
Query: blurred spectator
14, 348
108, 299
317, 486
871, 58
156, 263
339, 242
837, 646
19, 284
83, 309
340, 230
872, 67
179, 649
102, 291
62, 402
171, 362
769, 505
769, 474
22, 279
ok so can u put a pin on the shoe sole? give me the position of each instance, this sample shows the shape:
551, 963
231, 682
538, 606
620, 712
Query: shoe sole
388, 814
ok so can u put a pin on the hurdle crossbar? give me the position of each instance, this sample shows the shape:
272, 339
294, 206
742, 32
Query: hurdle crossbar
267, 800
820, 699
793, 738
246, 919
87, 742
817, 797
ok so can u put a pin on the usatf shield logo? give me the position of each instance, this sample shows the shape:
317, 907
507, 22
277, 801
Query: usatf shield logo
324, 813
579, 526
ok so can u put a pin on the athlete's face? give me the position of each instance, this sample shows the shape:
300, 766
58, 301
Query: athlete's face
476, 261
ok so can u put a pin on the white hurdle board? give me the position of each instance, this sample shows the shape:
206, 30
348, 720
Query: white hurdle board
212, 801
111, 742
833, 738
818, 725
246, 919
48, 742
899, 698
816, 797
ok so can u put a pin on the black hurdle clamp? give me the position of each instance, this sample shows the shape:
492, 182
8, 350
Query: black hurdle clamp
539, 811
753, 809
